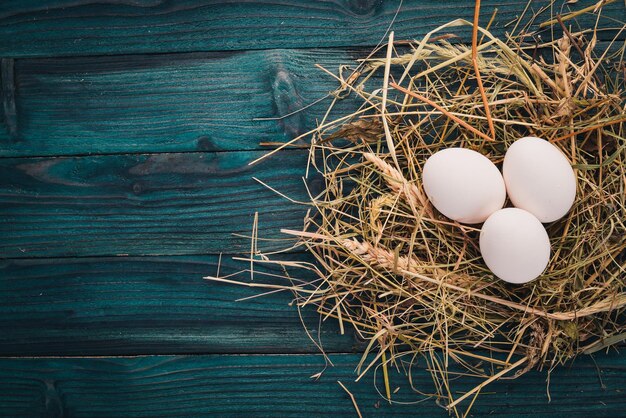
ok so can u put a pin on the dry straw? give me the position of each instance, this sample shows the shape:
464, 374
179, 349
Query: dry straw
411, 282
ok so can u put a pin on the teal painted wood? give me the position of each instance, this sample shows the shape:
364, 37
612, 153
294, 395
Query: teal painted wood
169, 102
84, 27
187, 203
126, 305
280, 386
176, 102
160, 204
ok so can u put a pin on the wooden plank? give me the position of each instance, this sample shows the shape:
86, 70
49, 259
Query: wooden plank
280, 385
142, 204
84, 27
169, 103
165, 103
146, 305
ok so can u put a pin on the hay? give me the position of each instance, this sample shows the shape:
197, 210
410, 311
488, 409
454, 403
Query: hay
411, 282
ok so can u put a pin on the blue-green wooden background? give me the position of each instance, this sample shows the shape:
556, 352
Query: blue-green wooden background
127, 128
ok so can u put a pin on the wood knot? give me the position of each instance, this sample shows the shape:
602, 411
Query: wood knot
205, 143
364, 7
316, 185
138, 188
287, 101
54, 404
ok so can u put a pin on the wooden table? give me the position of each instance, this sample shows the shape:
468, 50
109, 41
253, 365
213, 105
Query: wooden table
127, 129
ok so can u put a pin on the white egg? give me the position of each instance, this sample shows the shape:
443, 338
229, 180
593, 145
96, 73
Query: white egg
515, 245
539, 178
463, 185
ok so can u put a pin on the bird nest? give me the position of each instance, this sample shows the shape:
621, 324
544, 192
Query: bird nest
412, 282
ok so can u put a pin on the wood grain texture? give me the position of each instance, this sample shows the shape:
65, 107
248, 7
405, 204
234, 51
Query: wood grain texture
182, 81
280, 386
158, 103
156, 204
147, 305
170, 102
85, 27
7, 79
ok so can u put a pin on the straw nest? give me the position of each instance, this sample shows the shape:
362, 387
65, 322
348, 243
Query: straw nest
410, 281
